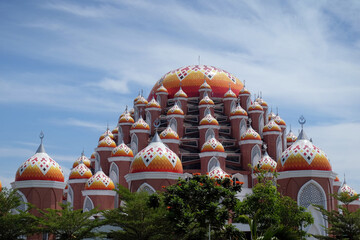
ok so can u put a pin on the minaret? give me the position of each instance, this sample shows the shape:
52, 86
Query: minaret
171, 139
105, 146
162, 97
238, 119
208, 128
205, 89
139, 132
256, 113
206, 105
153, 112
175, 117
229, 101
181, 98
271, 133
212, 154
125, 123
244, 97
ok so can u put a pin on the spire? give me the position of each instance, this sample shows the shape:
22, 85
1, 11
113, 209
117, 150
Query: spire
156, 138
41, 148
302, 135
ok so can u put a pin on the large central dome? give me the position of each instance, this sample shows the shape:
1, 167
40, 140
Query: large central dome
191, 78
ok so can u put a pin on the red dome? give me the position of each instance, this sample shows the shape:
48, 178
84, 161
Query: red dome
192, 77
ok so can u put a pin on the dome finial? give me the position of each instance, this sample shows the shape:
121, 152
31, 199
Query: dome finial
277, 111
229, 86
199, 60
344, 179
302, 134
302, 121
244, 83
156, 124
41, 148
260, 94
126, 108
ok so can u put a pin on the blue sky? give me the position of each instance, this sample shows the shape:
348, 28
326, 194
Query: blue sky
70, 67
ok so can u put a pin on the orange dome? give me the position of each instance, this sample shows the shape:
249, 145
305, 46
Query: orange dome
140, 124
262, 102
291, 138
230, 94
244, 91
115, 131
40, 167
271, 116
255, 106
238, 111
80, 172
347, 190
162, 89
212, 145
92, 158
217, 172
266, 163
180, 94
192, 77
169, 133
137, 98
250, 134
153, 104
107, 142
122, 151
156, 157
175, 110
271, 127
205, 85
141, 101
303, 155
82, 159
99, 182
126, 119
206, 101
106, 133
208, 120
279, 121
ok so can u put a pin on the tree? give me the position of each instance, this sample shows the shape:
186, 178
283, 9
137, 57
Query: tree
342, 224
141, 216
202, 203
15, 225
272, 212
66, 223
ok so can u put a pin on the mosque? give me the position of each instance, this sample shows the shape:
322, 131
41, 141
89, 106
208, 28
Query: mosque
197, 119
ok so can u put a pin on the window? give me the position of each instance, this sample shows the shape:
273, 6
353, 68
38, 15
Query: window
261, 124
146, 188
148, 119
88, 204
233, 105
214, 162
255, 155
278, 147
70, 196
209, 134
173, 124
242, 127
134, 143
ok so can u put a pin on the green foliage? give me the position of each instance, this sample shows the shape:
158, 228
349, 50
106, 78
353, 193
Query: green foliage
196, 203
342, 224
14, 226
142, 217
66, 223
267, 208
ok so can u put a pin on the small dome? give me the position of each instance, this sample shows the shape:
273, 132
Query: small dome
250, 134
122, 151
217, 172
271, 116
271, 127
137, 98
175, 110
230, 94
99, 182
107, 142
244, 91
205, 85
162, 89
255, 106
82, 159
115, 131
266, 163
126, 118
153, 104
140, 124
106, 133
262, 102
291, 138
80, 172
337, 179
206, 101
180, 94
156, 157
169, 133
348, 190
279, 121
141, 100
238, 111
212, 145
303, 155
40, 167
208, 120
93, 157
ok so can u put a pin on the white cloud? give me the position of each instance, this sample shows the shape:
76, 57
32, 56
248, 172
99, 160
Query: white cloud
112, 85
80, 123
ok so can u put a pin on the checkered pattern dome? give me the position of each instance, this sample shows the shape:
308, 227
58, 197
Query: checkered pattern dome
169, 133
82, 159
208, 120
271, 127
99, 182
250, 134
212, 145
80, 172
122, 151
140, 124
175, 110
153, 104
107, 142
180, 94
255, 106
106, 133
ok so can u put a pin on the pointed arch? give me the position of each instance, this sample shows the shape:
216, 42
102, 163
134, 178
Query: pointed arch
233, 105
248, 103
278, 147
207, 111
158, 98
136, 113
23, 206
242, 127
114, 176
178, 103
88, 204
209, 134
173, 124
70, 196
255, 155
134, 143
97, 161
261, 124
214, 162
145, 187
120, 135
148, 119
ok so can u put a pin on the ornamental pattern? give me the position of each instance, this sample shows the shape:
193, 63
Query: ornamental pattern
126, 118
217, 172
267, 163
279, 121
153, 104
212, 145
140, 124
169, 133
106, 133
238, 111
141, 100
157, 150
81, 171
291, 137
99, 182
255, 106
107, 142
209, 120
206, 100
271, 126
122, 151
175, 110
180, 93
250, 134
230, 94
346, 189
82, 159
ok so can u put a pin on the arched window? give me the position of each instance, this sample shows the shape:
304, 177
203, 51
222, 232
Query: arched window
255, 155
173, 124
148, 119
209, 134
278, 147
97, 162
134, 143
120, 135
88, 204
178, 103
146, 188
114, 176
23, 200
70, 196
248, 103
233, 105
207, 111
214, 162
136, 113
261, 124
158, 99
242, 127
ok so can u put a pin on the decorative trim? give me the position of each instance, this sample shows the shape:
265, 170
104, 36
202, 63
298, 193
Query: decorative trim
271, 133
161, 93
212, 154
242, 142
244, 94
125, 124
255, 111
140, 105
152, 175
139, 131
238, 117
170, 141
38, 184
102, 149
206, 105
229, 98
307, 173
205, 90
153, 108
174, 116
83, 180
98, 192
316, 184
120, 159
180, 98
209, 126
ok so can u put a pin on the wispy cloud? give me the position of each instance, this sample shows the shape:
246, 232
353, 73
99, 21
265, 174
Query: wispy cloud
80, 123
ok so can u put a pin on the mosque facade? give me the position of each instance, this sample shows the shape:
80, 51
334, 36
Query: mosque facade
197, 119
